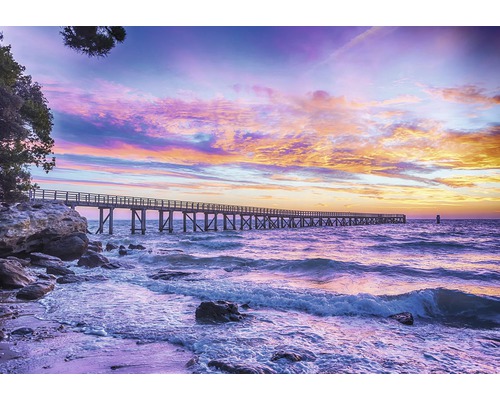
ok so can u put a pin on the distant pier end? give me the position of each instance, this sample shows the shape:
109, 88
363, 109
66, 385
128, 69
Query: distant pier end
214, 216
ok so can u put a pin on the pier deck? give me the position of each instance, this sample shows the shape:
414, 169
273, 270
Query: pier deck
215, 216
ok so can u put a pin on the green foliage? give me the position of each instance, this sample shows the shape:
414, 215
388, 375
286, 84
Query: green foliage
25, 127
94, 41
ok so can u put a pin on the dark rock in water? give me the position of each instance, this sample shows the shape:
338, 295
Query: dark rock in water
45, 260
111, 246
285, 354
245, 306
136, 247
193, 361
23, 332
240, 368
219, 311
6, 312
29, 227
92, 259
122, 251
59, 271
45, 277
169, 275
69, 247
13, 275
80, 278
95, 246
35, 291
405, 318
118, 264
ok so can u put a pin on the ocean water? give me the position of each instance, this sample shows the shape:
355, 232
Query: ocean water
324, 293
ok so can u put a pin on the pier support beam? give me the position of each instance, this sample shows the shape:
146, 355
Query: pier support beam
169, 221
102, 220
141, 219
186, 216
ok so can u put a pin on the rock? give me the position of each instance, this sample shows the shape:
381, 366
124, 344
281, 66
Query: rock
80, 278
23, 262
45, 260
405, 318
59, 271
35, 290
219, 311
28, 227
168, 275
240, 368
6, 312
136, 247
95, 246
68, 247
13, 275
122, 251
294, 357
193, 361
23, 332
91, 259
111, 246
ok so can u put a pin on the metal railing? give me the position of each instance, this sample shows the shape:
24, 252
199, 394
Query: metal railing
116, 201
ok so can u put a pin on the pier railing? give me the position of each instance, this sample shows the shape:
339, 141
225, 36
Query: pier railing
79, 199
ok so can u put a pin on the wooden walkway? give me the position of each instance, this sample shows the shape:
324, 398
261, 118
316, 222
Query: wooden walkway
214, 216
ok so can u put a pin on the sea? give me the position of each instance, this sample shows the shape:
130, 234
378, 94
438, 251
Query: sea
325, 294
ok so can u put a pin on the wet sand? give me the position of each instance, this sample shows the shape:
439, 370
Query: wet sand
52, 348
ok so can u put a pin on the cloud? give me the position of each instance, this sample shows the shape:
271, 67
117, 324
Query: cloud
467, 94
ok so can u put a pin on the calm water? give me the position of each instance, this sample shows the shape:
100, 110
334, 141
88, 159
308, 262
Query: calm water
324, 293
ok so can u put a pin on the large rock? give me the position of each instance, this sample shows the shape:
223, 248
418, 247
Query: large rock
13, 275
219, 311
60, 271
45, 260
38, 227
69, 247
35, 291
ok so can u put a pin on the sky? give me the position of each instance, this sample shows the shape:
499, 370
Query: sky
389, 119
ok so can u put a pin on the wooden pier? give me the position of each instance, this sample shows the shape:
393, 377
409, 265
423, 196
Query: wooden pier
212, 215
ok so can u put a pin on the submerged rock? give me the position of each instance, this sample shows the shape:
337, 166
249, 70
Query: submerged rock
405, 318
23, 332
35, 291
38, 227
136, 247
240, 368
219, 311
294, 357
111, 246
80, 278
95, 246
13, 275
169, 275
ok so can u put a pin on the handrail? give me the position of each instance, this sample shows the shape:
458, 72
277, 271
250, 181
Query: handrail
106, 200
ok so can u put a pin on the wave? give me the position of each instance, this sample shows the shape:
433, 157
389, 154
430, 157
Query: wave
452, 307
326, 269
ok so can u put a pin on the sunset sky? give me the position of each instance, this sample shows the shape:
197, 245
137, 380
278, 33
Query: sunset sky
363, 119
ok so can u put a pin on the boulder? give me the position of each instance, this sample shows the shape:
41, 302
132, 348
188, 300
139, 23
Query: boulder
29, 227
59, 271
35, 291
13, 275
91, 259
22, 261
219, 311
240, 368
122, 251
405, 318
68, 247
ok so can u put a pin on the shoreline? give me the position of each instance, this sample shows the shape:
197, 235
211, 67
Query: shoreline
54, 348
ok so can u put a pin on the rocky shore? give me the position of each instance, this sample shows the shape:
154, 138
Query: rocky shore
37, 242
